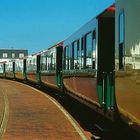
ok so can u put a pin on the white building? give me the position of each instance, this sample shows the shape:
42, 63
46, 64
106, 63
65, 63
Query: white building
10, 54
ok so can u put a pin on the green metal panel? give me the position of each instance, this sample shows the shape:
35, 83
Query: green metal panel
100, 94
24, 75
112, 97
59, 80
109, 93
38, 76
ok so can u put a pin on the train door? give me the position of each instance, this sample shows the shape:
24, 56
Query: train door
105, 68
59, 79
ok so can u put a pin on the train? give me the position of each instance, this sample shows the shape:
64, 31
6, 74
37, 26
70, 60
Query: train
86, 66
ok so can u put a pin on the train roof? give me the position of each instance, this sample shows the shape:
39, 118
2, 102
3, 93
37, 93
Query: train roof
57, 45
54, 46
108, 12
90, 25
29, 56
19, 59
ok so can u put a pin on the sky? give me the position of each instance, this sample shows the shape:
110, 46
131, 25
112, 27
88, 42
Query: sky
37, 24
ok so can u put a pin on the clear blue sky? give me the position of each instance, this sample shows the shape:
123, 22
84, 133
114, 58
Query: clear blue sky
37, 24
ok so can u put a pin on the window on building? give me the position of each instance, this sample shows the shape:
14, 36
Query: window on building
121, 40
4, 55
13, 55
21, 55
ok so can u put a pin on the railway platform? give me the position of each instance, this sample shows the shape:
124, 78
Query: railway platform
29, 114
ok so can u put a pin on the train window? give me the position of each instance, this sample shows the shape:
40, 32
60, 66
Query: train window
44, 62
48, 61
9, 67
82, 53
43, 66
28, 64
64, 56
49, 58
71, 54
34, 63
75, 55
47, 68
88, 44
1, 68
78, 54
94, 50
31, 64
53, 59
67, 59
16, 66
121, 27
19, 66
121, 40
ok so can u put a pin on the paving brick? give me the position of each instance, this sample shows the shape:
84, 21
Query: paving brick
32, 116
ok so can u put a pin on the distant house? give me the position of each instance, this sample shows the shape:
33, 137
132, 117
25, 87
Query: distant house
11, 54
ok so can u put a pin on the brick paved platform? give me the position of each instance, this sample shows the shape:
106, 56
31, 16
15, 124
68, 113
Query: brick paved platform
33, 115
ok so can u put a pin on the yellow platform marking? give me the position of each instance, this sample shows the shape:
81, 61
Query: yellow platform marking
5, 114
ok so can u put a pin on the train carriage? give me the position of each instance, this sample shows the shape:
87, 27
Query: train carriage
51, 66
89, 62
